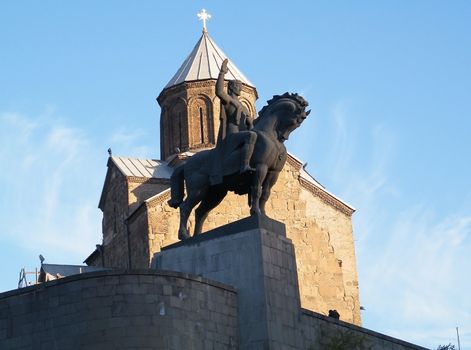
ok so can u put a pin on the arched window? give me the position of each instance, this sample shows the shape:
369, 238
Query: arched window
177, 127
201, 123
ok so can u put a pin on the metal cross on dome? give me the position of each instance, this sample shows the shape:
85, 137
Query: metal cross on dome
203, 16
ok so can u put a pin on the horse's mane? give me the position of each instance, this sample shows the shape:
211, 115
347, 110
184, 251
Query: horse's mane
287, 97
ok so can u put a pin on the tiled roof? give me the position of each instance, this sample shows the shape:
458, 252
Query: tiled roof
204, 62
149, 168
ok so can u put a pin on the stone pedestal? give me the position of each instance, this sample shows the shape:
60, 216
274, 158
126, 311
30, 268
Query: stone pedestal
254, 256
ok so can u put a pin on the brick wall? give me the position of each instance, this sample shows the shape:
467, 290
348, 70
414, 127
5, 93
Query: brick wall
180, 115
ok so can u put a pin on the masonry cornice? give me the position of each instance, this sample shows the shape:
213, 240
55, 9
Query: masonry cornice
158, 199
140, 180
197, 84
294, 162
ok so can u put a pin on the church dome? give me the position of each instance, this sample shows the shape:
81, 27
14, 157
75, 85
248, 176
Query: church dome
204, 62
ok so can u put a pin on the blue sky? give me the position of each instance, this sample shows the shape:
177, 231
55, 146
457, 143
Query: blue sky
389, 84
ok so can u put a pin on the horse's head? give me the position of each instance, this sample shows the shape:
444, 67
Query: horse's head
289, 111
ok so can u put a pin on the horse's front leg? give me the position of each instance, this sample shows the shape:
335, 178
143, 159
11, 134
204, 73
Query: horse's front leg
183, 230
270, 180
256, 188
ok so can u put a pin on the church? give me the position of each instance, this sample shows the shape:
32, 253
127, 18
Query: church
138, 222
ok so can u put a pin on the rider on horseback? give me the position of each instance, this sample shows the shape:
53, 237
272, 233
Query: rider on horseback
275, 122
234, 129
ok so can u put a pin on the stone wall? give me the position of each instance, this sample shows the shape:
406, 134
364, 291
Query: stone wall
115, 206
325, 333
140, 189
120, 310
139, 243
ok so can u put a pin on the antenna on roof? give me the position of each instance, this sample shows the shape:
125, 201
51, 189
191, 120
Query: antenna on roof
110, 152
23, 281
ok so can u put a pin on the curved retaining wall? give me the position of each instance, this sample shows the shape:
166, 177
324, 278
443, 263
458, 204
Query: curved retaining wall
120, 310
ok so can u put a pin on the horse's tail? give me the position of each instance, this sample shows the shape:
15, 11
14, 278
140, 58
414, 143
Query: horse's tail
177, 190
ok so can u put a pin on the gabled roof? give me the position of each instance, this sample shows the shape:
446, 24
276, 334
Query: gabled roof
136, 167
204, 62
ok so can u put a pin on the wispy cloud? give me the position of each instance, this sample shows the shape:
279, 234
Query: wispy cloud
341, 146
46, 166
361, 175
419, 276
51, 182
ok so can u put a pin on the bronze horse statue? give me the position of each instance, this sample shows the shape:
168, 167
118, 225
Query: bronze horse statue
275, 122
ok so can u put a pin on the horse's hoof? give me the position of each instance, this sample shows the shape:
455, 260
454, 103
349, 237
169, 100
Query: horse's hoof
183, 235
173, 203
255, 212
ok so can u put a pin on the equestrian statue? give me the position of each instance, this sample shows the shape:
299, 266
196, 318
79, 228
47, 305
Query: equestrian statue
247, 159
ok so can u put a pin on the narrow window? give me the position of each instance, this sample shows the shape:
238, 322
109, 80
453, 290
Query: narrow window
202, 125
180, 143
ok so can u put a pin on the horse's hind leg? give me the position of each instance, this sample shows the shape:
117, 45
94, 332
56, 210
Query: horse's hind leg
185, 209
177, 190
208, 203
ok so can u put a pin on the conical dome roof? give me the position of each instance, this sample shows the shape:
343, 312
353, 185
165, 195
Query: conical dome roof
204, 62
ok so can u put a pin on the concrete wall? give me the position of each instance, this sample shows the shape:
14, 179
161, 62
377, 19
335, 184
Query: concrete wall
120, 310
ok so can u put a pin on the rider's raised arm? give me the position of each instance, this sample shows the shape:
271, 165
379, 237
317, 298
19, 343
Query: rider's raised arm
220, 92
